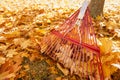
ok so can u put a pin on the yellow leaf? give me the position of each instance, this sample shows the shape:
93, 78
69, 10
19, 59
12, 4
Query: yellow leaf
98, 17
58, 78
26, 67
106, 45
1, 19
52, 70
48, 21
11, 34
107, 58
25, 55
108, 70
9, 24
42, 31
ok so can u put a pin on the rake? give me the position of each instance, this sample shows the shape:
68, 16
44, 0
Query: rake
74, 45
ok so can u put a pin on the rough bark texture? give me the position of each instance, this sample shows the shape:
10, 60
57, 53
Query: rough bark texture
96, 7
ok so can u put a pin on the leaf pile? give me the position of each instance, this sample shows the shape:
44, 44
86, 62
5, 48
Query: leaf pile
22, 30
20, 35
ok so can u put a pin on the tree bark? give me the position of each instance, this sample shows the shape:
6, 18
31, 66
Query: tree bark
96, 8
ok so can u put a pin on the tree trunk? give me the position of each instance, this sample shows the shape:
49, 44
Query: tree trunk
96, 8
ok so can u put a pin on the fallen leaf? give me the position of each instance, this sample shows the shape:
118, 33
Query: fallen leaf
25, 44
58, 78
2, 60
116, 65
41, 31
108, 70
107, 58
118, 32
11, 53
27, 67
6, 75
8, 70
53, 70
65, 71
106, 45
11, 34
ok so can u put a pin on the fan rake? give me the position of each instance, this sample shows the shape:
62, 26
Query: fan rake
74, 45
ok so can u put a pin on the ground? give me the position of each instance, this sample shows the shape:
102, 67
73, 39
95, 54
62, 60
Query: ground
23, 27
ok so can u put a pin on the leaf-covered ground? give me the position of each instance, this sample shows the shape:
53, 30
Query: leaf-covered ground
21, 30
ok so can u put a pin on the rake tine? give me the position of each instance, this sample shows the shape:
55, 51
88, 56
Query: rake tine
65, 52
51, 46
44, 46
56, 50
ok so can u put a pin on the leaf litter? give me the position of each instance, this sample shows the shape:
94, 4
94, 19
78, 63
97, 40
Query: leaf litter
22, 30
